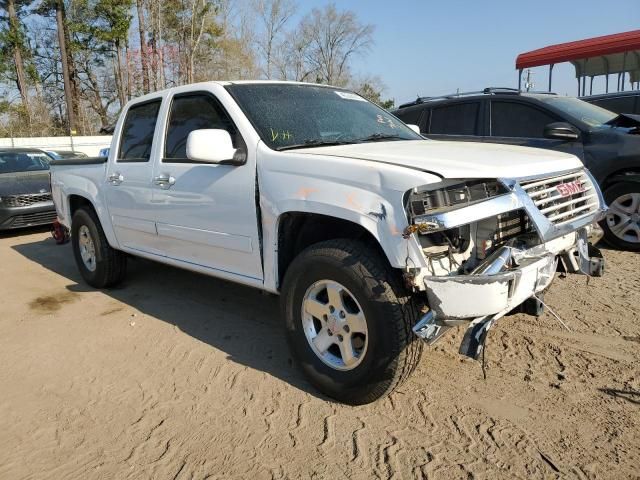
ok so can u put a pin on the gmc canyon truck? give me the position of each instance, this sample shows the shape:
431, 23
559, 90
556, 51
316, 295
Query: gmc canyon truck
376, 239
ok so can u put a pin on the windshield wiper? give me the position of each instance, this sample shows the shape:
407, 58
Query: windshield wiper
315, 143
376, 137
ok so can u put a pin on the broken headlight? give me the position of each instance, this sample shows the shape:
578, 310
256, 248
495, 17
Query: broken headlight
451, 195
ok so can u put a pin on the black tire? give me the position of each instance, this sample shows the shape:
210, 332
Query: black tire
610, 195
110, 264
393, 350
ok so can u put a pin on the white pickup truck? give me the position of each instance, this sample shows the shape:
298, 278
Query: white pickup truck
376, 240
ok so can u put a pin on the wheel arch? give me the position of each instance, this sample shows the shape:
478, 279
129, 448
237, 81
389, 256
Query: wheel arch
76, 200
297, 230
624, 175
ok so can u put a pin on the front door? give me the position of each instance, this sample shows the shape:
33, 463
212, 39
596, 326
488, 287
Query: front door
518, 123
206, 213
128, 183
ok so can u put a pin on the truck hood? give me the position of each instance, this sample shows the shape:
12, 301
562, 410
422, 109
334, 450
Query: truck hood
456, 159
20, 183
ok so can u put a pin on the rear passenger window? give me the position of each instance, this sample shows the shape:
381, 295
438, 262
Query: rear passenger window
511, 119
137, 132
458, 119
194, 112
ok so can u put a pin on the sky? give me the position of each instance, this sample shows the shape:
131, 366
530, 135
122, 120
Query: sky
428, 47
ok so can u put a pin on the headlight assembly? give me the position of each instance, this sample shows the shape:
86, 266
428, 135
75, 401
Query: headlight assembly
452, 195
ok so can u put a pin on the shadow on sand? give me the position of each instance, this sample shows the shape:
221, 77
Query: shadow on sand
240, 321
628, 395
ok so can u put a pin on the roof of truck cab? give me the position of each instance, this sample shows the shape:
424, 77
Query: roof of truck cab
287, 82
159, 93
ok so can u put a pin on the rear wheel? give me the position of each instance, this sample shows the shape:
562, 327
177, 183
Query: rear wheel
100, 265
348, 320
622, 222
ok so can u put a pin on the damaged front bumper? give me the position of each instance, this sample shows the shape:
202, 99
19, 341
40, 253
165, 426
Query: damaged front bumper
505, 280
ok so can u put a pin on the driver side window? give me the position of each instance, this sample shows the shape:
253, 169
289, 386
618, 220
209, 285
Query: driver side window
191, 112
513, 119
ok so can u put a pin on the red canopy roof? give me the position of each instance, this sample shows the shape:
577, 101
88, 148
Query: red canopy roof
591, 47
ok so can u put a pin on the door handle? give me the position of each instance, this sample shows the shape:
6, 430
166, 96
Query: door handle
115, 178
164, 181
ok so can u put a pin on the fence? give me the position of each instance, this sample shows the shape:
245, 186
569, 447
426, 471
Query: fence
88, 145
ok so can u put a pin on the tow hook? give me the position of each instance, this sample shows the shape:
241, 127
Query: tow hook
429, 329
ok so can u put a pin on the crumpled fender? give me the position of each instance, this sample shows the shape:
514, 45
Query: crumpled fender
367, 194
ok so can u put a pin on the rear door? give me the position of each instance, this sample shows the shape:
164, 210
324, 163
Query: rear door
460, 121
206, 214
128, 183
518, 123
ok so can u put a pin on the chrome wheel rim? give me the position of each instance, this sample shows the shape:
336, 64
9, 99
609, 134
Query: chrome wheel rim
623, 217
334, 325
87, 248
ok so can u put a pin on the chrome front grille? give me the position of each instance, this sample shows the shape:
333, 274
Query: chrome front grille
26, 200
565, 198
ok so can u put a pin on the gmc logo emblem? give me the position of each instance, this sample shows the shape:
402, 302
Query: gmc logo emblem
571, 188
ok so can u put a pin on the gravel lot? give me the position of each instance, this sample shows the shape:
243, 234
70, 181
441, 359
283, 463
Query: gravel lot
180, 376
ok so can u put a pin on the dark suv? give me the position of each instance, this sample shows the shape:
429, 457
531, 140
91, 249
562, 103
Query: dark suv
608, 144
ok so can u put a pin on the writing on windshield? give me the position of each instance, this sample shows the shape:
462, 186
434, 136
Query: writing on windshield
293, 115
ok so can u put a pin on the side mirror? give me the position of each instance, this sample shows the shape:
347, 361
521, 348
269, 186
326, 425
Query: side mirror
211, 146
415, 128
561, 131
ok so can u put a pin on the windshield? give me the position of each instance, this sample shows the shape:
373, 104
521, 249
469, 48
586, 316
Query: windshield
11, 162
592, 115
289, 116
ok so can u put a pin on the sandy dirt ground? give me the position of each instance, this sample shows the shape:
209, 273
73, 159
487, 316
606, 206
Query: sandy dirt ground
180, 376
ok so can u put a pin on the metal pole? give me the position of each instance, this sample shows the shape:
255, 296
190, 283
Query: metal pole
624, 66
550, 75
606, 88
584, 78
591, 86
618, 83
578, 86
519, 79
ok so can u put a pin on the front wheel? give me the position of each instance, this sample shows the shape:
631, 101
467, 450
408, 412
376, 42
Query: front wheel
622, 222
100, 265
348, 321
